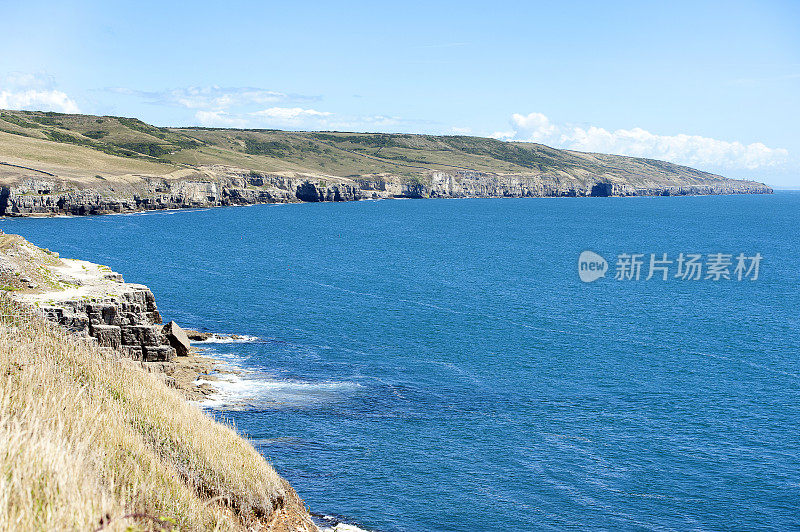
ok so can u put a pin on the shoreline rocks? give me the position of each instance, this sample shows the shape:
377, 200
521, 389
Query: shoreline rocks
128, 323
92, 301
219, 186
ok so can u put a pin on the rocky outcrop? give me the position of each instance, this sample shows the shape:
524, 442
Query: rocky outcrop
316, 191
219, 185
128, 322
89, 300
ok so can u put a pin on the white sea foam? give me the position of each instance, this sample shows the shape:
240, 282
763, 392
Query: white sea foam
328, 523
229, 339
342, 527
249, 390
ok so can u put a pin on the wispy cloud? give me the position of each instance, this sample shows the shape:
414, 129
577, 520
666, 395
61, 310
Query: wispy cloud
243, 107
766, 79
34, 91
28, 80
292, 117
213, 97
306, 118
219, 119
693, 150
290, 113
239, 107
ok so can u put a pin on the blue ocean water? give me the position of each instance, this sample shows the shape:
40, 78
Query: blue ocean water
438, 365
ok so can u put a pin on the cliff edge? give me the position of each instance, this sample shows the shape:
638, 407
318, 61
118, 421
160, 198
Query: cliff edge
96, 437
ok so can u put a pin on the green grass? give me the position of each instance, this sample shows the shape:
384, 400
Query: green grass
13, 119
96, 134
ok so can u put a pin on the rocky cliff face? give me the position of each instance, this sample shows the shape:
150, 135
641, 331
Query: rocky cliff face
213, 187
218, 185
92, 301
471, 184
87, 299
128, 322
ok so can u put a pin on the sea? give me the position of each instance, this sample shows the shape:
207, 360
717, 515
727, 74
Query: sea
440, 365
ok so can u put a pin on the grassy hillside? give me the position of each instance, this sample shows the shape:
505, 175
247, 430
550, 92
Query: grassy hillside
82, 146
89, 443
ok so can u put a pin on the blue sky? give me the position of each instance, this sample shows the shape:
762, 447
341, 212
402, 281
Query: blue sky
711, 84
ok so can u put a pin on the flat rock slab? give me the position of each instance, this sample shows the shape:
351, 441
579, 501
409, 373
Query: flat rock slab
143, 335
177, 338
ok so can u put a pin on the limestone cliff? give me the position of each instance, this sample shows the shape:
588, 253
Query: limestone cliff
214, 186
87, 299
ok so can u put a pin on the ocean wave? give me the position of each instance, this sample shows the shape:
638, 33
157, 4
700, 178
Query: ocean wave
328, 523
342, 527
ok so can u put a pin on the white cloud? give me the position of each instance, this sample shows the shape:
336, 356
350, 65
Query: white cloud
212, 97
461, 130
38, 100
290, 113
27, 80
537, 125
693, 150
303, 118
222, 98
33, 91
503, 135
219, 119
375, 121
215, 106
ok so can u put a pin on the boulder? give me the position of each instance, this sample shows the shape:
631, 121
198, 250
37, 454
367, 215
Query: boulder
177, 338
198, 336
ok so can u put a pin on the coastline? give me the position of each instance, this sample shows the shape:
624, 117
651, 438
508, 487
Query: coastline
126, 208
57, 289
26, 204
38, 187
115, 328
200, 375
94, 302
102, 172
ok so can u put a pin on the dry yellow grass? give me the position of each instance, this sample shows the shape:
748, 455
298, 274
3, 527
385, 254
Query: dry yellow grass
69, 161
87, 442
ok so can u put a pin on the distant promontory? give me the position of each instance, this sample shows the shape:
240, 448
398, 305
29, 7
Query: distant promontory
53, 163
